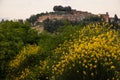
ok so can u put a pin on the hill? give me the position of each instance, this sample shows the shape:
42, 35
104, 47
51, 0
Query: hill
61, 14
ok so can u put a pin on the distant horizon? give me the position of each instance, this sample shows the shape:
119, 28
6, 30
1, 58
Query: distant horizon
22, 9
6, 18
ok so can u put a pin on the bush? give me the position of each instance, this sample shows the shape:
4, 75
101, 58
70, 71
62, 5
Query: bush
28, 57
71, 53
13, 36
92, 53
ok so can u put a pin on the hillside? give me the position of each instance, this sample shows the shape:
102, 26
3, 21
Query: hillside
89, 52
62, 14
70, 45
51, 21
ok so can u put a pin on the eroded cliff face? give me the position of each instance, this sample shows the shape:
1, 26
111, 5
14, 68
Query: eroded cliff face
73, 16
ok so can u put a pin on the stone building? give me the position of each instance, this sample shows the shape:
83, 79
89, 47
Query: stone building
105, 16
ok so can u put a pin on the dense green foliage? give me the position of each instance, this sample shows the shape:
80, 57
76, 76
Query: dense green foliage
53, 25
93, 19
13, 36
33, 18
55, 54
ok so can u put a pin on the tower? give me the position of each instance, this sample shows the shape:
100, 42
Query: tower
106, 17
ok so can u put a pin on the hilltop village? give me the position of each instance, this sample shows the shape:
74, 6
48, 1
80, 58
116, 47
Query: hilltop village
67, 14
74, 15
70, 14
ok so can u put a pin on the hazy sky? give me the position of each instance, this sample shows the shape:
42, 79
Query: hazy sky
21, 9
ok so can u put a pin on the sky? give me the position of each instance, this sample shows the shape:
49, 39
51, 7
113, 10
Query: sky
22, 9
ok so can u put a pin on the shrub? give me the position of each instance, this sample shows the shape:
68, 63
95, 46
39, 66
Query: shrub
28, 57
92, 53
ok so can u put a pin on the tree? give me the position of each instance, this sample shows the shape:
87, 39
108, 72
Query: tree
32, 19
13, 36
52, 25
68, 8
115, 18
21, 21
61, 8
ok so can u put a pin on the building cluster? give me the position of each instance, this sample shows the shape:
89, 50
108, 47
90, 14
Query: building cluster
73, 16
107, 18
76, 16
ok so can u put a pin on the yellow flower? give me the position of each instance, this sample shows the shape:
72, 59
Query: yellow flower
95, 66
46, 77
84, 72
112, 67
87, 48
92, 74
77, 71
